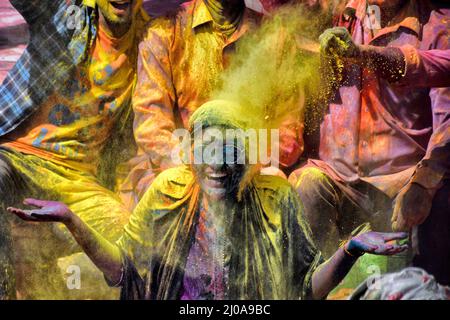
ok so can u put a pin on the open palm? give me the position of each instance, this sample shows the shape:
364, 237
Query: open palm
45, 211
378, 243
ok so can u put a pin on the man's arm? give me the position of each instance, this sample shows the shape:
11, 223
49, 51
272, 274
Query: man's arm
34, 10
404, 65
426, 68
154, 98
414, 202
408, 66
387, 62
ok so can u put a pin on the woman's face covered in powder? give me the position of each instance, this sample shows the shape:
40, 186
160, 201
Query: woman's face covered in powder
219, 164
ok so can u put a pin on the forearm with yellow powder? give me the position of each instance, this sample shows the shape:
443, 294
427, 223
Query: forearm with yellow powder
105, 255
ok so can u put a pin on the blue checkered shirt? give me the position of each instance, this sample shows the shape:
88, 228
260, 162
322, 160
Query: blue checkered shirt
60, 38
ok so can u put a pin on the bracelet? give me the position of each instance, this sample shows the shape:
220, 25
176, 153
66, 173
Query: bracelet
347, 252
343, 246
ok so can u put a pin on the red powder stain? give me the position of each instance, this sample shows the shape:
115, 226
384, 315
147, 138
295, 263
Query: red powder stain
395, 296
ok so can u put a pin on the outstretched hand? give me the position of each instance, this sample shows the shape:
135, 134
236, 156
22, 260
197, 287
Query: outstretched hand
377, 243
46, 211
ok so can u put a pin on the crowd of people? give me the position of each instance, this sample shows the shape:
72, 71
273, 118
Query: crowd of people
87, 122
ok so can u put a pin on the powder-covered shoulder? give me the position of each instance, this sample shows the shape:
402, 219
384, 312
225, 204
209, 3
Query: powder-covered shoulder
275, 191
171, 184
272, 183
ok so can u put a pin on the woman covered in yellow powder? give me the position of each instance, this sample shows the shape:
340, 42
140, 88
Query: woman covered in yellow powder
216, 229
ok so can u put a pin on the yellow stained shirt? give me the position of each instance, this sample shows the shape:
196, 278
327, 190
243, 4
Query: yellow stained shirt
72, 126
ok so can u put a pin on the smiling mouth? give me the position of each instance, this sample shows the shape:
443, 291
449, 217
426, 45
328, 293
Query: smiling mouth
120, 5
218, 176
216, 180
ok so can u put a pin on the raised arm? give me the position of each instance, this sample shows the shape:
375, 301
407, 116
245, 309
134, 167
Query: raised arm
388, 62
328, 275
105, 255
426, 68
405, 65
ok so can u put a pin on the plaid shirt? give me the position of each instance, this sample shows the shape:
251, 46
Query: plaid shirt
55, 48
